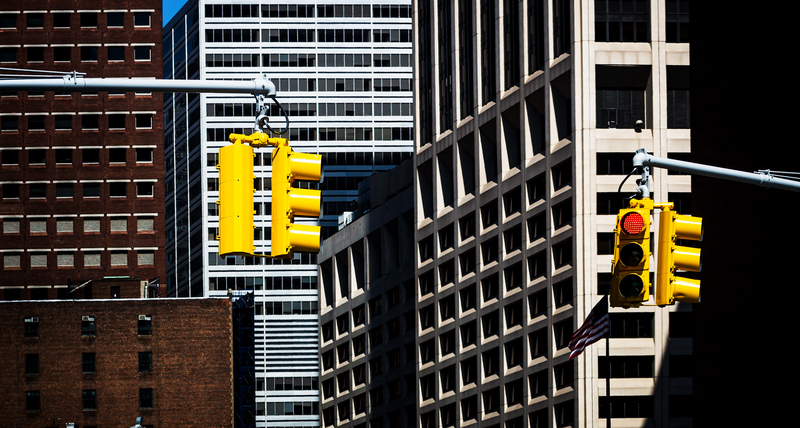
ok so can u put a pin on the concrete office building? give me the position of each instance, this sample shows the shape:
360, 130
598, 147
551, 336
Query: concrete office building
527, 117
81, 174
367, 310
343, 71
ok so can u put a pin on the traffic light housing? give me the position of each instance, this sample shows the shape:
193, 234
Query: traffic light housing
670, 288
630, 271
288, 202
236, 200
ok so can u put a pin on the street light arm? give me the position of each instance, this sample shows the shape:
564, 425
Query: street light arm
763, 178
74, 82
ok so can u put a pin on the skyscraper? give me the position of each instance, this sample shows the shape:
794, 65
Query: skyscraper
81, 174
528, 114
343, 72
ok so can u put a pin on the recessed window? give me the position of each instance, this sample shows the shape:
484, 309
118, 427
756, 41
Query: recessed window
35, 53
141, 19
118, 189
89, 362
91, 224
8, 54
31, 364
116, 121
87, 326
145, 398
8, 20
141, 53
35, 20
33, 401
63, 156
31, 326
119, 258
91, 190
64, 190
37, 190
145, 362
144, 189
62, 54
37, 157
9, 123
119, 224
144, 155
91, 259
61, 19
144, 121
88, 19
115, 19
145, 224
117, 155
89, 53
36, 122
63, 122
91, 155
10, 190
9, 157
64, 225
116, 53
90, 121
89, 399
146, 258
10, 226
145, 325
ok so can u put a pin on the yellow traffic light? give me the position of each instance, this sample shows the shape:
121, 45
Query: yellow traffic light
236, 200
630, 271
671, 288
287, 202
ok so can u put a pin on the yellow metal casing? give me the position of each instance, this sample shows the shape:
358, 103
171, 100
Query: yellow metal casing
287, 237
236, 200
671, 288
630, 270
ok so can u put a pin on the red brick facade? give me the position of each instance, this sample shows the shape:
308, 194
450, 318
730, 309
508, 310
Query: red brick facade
190, 376
82, 175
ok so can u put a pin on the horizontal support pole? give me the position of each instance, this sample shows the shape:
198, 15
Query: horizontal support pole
642, 158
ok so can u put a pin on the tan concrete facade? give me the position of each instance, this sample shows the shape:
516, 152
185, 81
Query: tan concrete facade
517, 194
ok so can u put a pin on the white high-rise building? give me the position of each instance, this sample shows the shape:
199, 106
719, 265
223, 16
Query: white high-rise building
343, 71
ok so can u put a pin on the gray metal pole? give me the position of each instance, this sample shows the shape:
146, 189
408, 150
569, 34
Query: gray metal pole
642, 158
76, 83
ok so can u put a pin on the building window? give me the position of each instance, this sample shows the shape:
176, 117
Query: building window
145, 362
38, 260
34, 20
117, 155
62, 53
10, 190
87, 326
89, 399
115, 19
88, 19
90, 122
146, 258
145, 327
65, 259
91, 259
141, 19
119, 224
10, 157
145, 224
142, 53
35, 54
8, 20
36, 122
144, 189
144, 120
33, 401
116, 120
89, 362
89, 53
118, 189
10, 226
64, 225
619, 21
9, 123
119, 258
144, 155
31, 326
145, 398
64, 190
63, 122
91, 225
31, 364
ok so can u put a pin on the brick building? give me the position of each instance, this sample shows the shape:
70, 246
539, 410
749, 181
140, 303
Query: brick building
81, 175
103, 363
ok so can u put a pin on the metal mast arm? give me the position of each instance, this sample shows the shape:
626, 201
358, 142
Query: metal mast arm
761, 178
75, 82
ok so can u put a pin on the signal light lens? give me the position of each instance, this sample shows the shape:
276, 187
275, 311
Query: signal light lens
631, 255
631, 286
632, 223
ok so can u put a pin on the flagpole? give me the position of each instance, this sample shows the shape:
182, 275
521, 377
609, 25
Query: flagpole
608, 376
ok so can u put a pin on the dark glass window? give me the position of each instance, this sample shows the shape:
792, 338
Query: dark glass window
145, 327
33, 401
31, 364
61, 19
35, 20
87, 326
89, 399
116, 53
88, 19
145, 362
89, 362
115, 19
622, 20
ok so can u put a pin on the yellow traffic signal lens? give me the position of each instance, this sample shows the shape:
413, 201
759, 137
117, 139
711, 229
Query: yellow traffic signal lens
632, 223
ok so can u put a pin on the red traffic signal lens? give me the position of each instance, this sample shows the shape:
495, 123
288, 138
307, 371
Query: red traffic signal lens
632, 223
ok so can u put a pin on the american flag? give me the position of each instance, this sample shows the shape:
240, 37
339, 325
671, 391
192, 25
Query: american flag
593, 329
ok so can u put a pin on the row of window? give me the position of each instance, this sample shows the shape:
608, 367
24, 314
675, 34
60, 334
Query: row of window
308, 35
287, 308
307, 11
63, 20
92, 53
308, 60
144, 326
33, 400
314, 109
39, 225
324, 134
65, 122
65, 156
88, 363
43, 191
67, 259
342, 84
